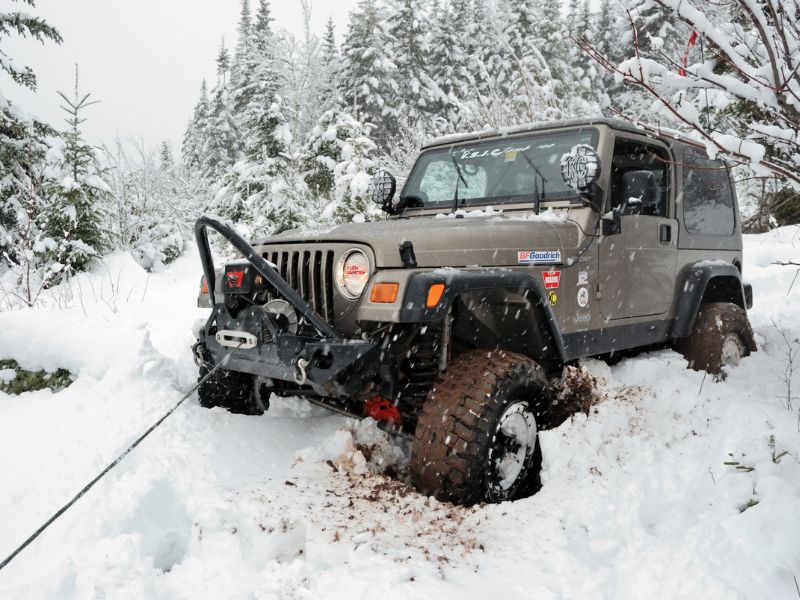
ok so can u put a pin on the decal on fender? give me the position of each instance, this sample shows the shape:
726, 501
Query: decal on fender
552, 297
551, 279
583, 277
583, 297
533, 257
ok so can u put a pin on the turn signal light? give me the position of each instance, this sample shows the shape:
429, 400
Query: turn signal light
434, 295
203, 285
384, 293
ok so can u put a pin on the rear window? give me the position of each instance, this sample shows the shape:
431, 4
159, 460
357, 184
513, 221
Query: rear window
707, 195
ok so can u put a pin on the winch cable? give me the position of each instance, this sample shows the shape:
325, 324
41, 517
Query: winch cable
113, 464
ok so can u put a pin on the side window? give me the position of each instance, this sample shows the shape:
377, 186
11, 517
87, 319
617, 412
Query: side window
639, 179
707, 195
438, 183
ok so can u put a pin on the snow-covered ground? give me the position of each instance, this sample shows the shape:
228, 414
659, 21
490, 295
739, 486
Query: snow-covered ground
674, 486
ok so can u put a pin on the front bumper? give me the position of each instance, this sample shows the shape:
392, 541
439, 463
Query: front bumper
253, 341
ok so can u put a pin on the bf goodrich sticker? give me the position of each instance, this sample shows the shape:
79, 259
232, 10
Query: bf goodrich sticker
534, 257
583, 297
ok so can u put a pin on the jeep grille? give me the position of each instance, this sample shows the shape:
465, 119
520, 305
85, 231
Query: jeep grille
310, 273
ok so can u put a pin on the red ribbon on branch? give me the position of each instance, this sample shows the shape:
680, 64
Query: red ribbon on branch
685, 61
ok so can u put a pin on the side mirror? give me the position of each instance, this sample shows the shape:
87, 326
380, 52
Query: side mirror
639, 193
580, 167
382, 189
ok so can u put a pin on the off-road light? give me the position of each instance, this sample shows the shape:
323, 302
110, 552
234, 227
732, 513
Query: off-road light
352, 273
434, 295
384, 293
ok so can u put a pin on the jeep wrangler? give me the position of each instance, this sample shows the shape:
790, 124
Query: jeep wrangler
507, 255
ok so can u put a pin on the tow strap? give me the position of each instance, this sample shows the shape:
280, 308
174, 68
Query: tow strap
116, 461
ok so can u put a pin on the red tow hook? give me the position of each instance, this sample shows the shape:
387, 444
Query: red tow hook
382, 409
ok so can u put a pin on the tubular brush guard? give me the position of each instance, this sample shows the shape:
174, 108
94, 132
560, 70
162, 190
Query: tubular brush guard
258, 345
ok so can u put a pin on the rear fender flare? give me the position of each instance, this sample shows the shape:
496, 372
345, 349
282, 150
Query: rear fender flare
698, 279
460, 281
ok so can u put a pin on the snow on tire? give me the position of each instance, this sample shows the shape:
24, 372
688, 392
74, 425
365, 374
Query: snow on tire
476, 437
721, 337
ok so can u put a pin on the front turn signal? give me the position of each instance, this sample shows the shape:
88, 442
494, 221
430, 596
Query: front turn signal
384, 293
435, 295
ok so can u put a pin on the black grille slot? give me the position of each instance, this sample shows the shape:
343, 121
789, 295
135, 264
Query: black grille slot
310, 273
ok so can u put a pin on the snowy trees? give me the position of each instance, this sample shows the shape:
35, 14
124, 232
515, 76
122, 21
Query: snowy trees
751, 69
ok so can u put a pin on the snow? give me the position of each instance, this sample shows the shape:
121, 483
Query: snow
672, 486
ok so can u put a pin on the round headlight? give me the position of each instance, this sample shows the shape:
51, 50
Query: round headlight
352, 273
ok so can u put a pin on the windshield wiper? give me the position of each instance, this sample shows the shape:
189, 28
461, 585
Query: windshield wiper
459, 180
536, 182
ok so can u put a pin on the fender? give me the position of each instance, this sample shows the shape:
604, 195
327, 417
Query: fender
459, 281
698, 280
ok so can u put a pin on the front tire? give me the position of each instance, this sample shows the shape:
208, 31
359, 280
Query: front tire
476, 438
230, 390
721, 338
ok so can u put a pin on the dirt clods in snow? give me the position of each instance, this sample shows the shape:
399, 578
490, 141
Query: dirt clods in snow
575, 392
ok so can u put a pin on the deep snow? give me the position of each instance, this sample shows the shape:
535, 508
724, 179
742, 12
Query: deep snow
637, 501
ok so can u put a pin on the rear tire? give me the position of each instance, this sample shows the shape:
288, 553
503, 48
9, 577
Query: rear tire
230, 390
476, 438
721, 337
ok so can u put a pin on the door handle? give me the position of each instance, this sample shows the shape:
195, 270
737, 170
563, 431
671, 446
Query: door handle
665, 233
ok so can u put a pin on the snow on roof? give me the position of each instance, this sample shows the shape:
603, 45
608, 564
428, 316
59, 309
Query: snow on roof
535, 126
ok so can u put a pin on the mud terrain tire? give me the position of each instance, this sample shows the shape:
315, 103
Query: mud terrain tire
721, 337
460, 431
230, 390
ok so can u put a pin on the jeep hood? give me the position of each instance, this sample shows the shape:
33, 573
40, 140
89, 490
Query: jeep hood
448, 242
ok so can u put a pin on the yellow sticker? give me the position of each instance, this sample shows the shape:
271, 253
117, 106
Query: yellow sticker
552, 297
511, 156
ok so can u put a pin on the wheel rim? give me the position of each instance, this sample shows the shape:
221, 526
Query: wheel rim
512, 448
732, 351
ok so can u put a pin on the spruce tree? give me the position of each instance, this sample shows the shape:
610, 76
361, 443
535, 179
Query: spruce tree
220, 135
369, 76
194, 138
407, 39
330, 63
353, 175
446, 59
23, 144
78, 196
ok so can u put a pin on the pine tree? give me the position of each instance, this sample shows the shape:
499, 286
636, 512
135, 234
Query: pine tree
353, 175
447, 61
22, 181
79, 196
330, 62
220, 136
369, 76
194, 139
407, 40
167, 162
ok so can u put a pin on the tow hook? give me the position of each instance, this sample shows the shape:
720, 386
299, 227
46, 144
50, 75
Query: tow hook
199, 354
300, 366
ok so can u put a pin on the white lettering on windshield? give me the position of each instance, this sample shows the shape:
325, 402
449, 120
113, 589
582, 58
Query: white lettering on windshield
494, 153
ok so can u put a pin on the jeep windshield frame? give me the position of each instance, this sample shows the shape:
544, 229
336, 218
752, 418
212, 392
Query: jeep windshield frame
523, 169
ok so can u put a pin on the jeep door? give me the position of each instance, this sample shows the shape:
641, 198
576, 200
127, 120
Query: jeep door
637, 262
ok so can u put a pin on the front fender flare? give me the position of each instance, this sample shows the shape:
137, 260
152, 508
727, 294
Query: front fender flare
459, 281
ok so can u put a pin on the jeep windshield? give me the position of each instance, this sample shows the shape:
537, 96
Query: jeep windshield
511, 170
